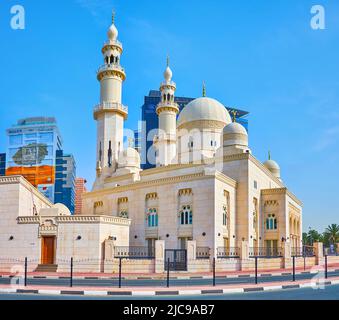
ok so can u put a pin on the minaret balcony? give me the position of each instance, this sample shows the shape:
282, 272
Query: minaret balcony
107, 107
112, 44
168, 84
165, 137
111, 69
167, 106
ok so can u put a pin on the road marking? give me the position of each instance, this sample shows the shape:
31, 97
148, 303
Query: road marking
271, 288
190, 292
143, 293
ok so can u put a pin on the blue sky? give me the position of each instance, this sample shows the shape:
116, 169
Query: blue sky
261, 56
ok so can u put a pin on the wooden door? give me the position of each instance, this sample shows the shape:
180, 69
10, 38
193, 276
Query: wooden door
48, 246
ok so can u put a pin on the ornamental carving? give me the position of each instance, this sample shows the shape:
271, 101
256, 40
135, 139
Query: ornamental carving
122, 200
152, 195
98, 204
185, 192
274, 203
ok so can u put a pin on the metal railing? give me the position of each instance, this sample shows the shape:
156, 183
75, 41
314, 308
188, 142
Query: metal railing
266, 252
203, 253
111, 66
110, 105
134, 252
305, 251
225, 252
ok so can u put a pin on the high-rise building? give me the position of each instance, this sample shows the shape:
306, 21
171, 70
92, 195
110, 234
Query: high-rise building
2, 164
80, 189
33, 146
151, 123
65, 174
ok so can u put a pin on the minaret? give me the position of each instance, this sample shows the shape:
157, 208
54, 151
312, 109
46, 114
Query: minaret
110, 113
167, 110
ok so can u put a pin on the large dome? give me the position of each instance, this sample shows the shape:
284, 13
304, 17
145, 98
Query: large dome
204, 109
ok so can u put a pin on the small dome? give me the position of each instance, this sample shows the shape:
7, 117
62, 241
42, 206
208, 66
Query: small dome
273, 167
235, 134
235, 128
129, 158
204, 109
113, 33
168, 74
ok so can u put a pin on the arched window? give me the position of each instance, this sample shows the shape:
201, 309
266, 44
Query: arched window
186, 215
111, 59
164, 97
106, 60
168, 97
152, 217
271, 222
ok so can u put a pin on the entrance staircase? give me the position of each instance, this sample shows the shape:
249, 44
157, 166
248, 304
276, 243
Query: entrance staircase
47, 268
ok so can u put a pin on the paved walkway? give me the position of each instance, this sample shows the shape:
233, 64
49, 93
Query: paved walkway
172, 291
177, 275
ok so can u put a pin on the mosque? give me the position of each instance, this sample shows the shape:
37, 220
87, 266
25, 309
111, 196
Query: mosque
207, 187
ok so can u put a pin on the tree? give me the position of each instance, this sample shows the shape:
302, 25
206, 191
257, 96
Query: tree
332, 233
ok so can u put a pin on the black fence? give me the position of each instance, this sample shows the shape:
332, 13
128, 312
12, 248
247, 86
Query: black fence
305, 251
203, 253
226, 252
266, 252
134, 252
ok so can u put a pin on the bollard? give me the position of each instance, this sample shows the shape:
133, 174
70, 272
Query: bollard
293, 268
26, 264
168, 273
120, 260
256, 270
213, 272
326, 270
71, 280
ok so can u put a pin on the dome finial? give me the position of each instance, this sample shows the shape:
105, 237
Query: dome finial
269, 154
234, 114
168, 61
204, 89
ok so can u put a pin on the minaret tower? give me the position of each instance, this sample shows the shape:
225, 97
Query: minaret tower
110, 114
167, 110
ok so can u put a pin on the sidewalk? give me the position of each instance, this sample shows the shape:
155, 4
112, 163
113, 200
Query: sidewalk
173, 291
176, 275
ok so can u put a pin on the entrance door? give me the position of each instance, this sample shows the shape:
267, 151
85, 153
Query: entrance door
48, 248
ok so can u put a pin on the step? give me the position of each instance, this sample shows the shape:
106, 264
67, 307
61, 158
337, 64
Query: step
47, 268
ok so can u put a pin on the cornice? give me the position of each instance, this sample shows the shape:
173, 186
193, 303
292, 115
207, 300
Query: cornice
280, 191
22, 181
78, 219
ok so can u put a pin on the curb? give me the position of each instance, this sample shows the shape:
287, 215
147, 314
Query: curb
262, 275
168, 292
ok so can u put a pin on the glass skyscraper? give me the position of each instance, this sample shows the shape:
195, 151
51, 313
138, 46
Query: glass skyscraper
151, 123
32, 148
2, 164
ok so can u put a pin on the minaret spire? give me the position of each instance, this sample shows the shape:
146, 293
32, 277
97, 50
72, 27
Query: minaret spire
113, 16
204, 89
269, 154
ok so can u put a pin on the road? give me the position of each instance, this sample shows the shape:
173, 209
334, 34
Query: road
162, 283
329, 293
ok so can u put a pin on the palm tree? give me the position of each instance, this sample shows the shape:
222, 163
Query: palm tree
332, 232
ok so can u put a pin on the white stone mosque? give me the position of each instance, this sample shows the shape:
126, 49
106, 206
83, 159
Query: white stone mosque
208, 189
